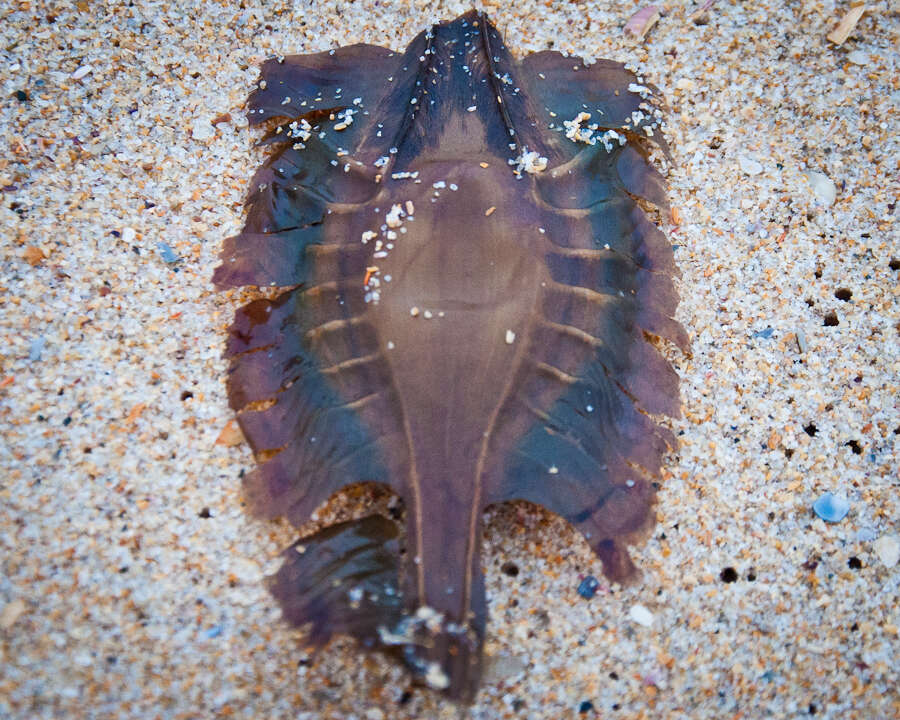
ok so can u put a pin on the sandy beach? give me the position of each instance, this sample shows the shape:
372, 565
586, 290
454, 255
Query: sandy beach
131, 583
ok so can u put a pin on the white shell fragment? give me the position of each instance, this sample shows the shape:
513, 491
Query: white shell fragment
639, 24
641, 615
846, 25
202, 129
749, 165
529, 161
81, 72
887, 547
823, 188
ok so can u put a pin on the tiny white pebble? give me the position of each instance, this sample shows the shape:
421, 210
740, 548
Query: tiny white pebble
81, 72
641, 615
887, 547
510, 337
749, 165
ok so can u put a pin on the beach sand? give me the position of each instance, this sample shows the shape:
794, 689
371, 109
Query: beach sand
131, 578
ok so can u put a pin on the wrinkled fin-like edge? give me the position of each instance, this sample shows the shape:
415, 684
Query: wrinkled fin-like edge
343, 580
612, 94
298, 84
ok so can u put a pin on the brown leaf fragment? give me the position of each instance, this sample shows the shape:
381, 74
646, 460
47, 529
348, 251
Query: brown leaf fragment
846, 25
34, 256
134, 413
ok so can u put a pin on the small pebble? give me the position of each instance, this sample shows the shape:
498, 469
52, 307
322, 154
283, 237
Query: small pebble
499, 668
588, 587
202, 129
865, 535
749, 165
166, 253
21, 96
37, 347
81, 72
248, 571
887, 547
823, 188
374, 714
641, 615
831, 508
213, 632
858, 57
10, 613
128, 235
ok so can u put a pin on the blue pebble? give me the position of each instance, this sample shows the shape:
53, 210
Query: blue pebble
166, 253
765, 334
213, 632
831, 508
588, 587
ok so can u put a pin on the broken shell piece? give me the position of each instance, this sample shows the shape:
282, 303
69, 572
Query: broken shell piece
887, 548
82, 72
823, 187
641, 615
846, 25
640, 23
700, 12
